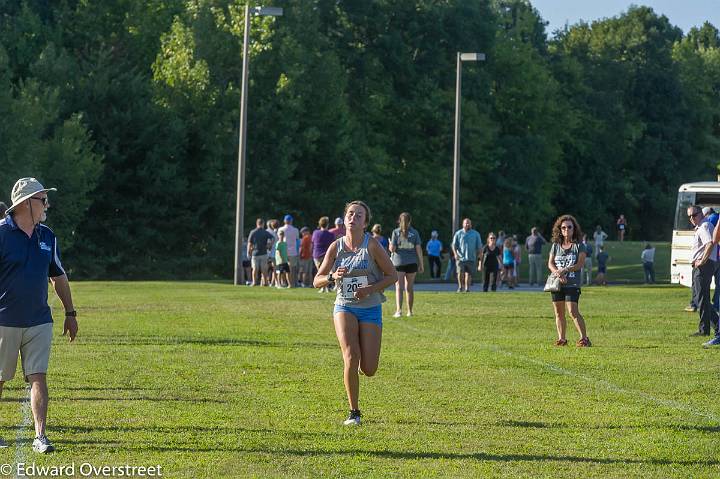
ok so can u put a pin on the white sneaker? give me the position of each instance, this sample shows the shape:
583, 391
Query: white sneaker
353, 419
398, 314
42, 445
459, 290
409, 314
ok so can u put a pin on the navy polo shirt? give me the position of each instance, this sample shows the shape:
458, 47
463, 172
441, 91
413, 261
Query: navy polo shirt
25, 265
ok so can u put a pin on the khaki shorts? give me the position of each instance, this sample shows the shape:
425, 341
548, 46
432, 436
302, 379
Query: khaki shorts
306, 266
260, 262
294, 262
32, 343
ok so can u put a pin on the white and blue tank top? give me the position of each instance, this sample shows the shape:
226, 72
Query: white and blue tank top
362, 270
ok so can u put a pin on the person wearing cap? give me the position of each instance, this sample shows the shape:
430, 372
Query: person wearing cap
29, 256
292, 238
339, 229
434, 250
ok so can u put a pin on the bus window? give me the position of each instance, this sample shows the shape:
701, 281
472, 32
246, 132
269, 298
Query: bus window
708, 199
685, 200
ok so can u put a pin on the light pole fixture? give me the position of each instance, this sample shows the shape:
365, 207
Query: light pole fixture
239, 277
461, 57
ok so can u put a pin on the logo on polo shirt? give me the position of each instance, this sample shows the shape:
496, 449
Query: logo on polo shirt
44, 246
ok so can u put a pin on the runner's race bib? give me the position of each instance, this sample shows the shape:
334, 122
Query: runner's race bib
350, 285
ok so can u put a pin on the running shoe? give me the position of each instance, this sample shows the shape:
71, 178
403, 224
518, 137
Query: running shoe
43, 445
398, 314
583, 343
409, 314
459, 290
561, 342
690, 309
353, 419
713, 342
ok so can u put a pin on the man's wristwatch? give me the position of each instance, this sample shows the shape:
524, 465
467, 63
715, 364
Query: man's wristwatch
71, 314
330, 278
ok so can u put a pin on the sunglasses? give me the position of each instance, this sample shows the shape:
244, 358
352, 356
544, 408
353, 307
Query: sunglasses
44, 200
693, 215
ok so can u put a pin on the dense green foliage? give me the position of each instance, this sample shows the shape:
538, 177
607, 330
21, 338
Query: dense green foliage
208, 380
131, 108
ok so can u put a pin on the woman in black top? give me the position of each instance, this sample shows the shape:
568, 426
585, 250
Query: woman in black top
490, 262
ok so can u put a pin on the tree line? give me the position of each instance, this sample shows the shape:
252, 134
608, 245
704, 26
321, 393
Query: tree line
131, 108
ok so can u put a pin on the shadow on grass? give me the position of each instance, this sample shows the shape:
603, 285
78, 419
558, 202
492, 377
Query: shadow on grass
410, 455
181, 430
175, 341
139, 398
530, 424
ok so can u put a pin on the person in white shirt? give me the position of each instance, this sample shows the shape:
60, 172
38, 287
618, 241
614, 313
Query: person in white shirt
292, 235
703, 257
599, 236
648, 261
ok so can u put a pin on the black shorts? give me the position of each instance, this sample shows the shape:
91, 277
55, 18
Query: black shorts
246, 263
407, 268
567, 293
283, 268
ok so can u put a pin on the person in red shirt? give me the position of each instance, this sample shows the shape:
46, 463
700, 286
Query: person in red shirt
306, 260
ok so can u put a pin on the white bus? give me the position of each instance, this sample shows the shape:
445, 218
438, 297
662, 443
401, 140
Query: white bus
706, 193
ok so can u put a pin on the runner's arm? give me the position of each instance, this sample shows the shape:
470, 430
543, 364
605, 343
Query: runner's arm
320, 280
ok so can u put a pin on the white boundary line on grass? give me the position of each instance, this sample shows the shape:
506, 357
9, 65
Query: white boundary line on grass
20, 456
27, 419
594, 381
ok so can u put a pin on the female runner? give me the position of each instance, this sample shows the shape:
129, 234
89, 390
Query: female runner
361, 270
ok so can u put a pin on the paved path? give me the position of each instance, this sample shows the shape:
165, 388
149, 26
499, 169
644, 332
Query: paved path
475, 288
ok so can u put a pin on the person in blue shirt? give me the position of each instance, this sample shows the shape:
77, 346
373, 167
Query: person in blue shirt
29, 256
434, 250
466, 247
713, 217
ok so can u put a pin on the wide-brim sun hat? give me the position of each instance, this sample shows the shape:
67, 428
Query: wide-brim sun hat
24, 189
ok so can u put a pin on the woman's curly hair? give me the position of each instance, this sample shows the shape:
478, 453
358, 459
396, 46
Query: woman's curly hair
557, 236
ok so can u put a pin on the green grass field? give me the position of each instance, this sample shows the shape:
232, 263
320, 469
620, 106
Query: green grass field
211, 380
624, 266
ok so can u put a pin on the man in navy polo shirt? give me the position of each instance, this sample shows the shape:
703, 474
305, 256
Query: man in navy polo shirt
29, 255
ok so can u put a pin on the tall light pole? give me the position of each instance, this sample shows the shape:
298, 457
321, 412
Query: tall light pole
240, 205
461, 57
